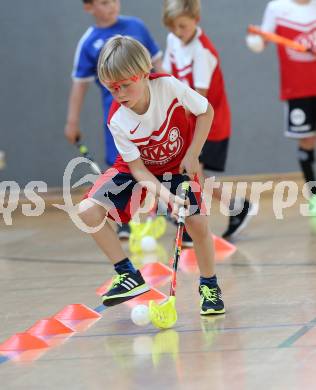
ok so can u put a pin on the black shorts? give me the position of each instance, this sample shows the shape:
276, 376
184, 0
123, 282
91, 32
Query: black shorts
300, 117
123, 195
214, 155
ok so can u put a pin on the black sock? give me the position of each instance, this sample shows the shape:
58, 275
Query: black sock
211, 282
124, 266
306, 160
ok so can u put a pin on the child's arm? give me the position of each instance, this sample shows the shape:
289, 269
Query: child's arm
190, 162
84, 71
202, 91
76, 99
255, 42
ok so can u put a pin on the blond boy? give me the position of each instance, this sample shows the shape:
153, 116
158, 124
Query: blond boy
154, 137
192, 58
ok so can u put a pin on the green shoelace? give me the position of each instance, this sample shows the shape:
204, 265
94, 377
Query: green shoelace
209, 294
118, 279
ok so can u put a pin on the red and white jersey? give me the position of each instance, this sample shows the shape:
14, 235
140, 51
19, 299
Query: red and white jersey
197, 64
162, 135
297, 22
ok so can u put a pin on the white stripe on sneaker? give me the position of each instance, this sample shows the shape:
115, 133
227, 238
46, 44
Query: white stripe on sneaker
128, 287
133, 281
131, 285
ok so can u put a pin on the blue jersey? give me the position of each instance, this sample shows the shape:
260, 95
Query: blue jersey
87, 54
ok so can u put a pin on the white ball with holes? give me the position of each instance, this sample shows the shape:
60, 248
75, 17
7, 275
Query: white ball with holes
148, 244
140, 315
255, 43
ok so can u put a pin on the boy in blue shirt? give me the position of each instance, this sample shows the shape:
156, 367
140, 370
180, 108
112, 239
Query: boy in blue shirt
108, 23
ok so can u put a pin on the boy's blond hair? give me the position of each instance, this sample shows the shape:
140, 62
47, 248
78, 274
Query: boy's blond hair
174, 8
121, 58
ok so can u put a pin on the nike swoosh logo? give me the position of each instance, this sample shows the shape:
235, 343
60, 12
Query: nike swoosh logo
133, 131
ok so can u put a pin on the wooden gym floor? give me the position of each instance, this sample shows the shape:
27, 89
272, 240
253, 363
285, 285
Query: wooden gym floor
266, 340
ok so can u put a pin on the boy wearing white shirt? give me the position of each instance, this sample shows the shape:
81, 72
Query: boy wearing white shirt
192, 58
154, 137
296, 20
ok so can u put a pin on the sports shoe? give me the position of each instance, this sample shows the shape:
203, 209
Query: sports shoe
124, 231
187, 240
211, 300
124, 287
238, 222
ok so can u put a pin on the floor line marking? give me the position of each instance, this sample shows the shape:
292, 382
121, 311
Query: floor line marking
298, 334
179, 330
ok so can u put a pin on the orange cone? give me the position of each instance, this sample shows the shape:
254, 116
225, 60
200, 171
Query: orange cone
76, 311
223, 245
188, 261
56, 340
223, 248
23, 342
152, 294
82, 326
28, 356
49, 326
156, 274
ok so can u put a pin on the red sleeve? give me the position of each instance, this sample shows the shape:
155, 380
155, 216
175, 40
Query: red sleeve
114, 107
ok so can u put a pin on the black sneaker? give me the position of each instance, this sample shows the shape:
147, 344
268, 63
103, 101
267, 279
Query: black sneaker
187, 240
124, 287
124, 231
238, 222
211, 300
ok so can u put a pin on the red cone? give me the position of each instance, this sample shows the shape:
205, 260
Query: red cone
76, 311
22, 342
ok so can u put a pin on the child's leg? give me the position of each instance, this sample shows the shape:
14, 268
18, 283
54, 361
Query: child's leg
211, 298
306, 159
106, 238
199, 230
114, 191
197, 226
301, 125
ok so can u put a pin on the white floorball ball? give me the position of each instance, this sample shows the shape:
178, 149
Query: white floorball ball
140, 315
255, 43
148, 244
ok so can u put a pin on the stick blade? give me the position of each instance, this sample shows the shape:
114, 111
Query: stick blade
163, 316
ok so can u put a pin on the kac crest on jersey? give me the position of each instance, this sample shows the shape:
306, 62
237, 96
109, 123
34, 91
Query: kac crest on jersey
162, 152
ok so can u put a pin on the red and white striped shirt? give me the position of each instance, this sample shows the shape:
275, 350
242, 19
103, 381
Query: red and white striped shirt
197, 64
162, 135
